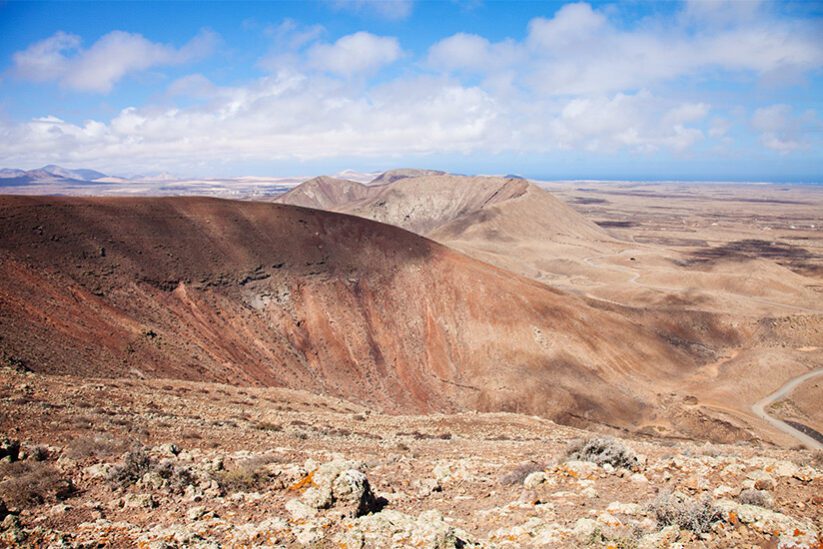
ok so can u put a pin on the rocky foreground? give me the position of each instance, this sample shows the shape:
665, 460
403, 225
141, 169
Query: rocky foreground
93, 462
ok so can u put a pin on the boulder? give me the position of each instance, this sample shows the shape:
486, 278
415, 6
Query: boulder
341, 485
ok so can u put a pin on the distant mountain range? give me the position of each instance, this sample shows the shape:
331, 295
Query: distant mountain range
47, 174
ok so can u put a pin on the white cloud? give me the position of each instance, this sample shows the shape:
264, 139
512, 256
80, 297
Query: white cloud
783, 131
638, 122
291, 35
471, 52
392, 10
580, 51
357, 53
116, 54
575, 81
295, 115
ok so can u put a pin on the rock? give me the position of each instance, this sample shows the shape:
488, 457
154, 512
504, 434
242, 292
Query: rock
215, 465
732, 469
607, 519
784, 469
762, 480
59, 509
806, 474
98, 470
579, 469
339, 484
767, 522
534, 532
724, 491
426, 486
534, 480
139, 501
585, 527
639, 478
299, 510
664, 539
196, 513
9, 449
696, 483
589, 492
394, 529
167, 450
311, 533
448, 471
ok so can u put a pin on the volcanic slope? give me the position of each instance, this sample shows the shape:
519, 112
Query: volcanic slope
510, 223
265, 294
325, 193
521, 227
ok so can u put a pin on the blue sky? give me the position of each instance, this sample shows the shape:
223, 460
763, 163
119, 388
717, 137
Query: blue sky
632, 90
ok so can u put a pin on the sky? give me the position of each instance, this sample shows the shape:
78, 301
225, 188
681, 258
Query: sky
694, 90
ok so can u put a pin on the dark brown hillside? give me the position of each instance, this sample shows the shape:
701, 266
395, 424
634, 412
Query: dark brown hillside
268, 294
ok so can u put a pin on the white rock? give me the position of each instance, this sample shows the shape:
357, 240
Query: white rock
534, 480
299, 510
724, 491
640, 478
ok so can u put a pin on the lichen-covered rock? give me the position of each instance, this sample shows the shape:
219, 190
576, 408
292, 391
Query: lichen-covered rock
98, 470
769, 522
139, 501
579, 469
394, 529
663, 539
426, 487
299, 510
534, 533
341, 485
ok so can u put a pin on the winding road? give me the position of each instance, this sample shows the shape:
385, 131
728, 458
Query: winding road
759, 409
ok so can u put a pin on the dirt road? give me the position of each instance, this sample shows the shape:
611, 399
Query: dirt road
760, 409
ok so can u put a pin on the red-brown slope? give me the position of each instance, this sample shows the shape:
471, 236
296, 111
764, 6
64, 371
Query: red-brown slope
255, 293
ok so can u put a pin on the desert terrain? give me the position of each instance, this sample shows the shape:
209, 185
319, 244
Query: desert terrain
416, 359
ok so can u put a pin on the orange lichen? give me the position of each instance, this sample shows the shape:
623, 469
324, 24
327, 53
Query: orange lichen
303, 483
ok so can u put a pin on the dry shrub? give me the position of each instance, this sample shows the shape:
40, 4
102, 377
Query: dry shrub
27, 484
97, 446
519, 473
696, 515
246, 476
761, 498
601, 450
135, 464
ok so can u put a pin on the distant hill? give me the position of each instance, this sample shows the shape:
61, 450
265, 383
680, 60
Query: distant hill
80, 174
325, 193
509, 222
51, 174
402, 173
